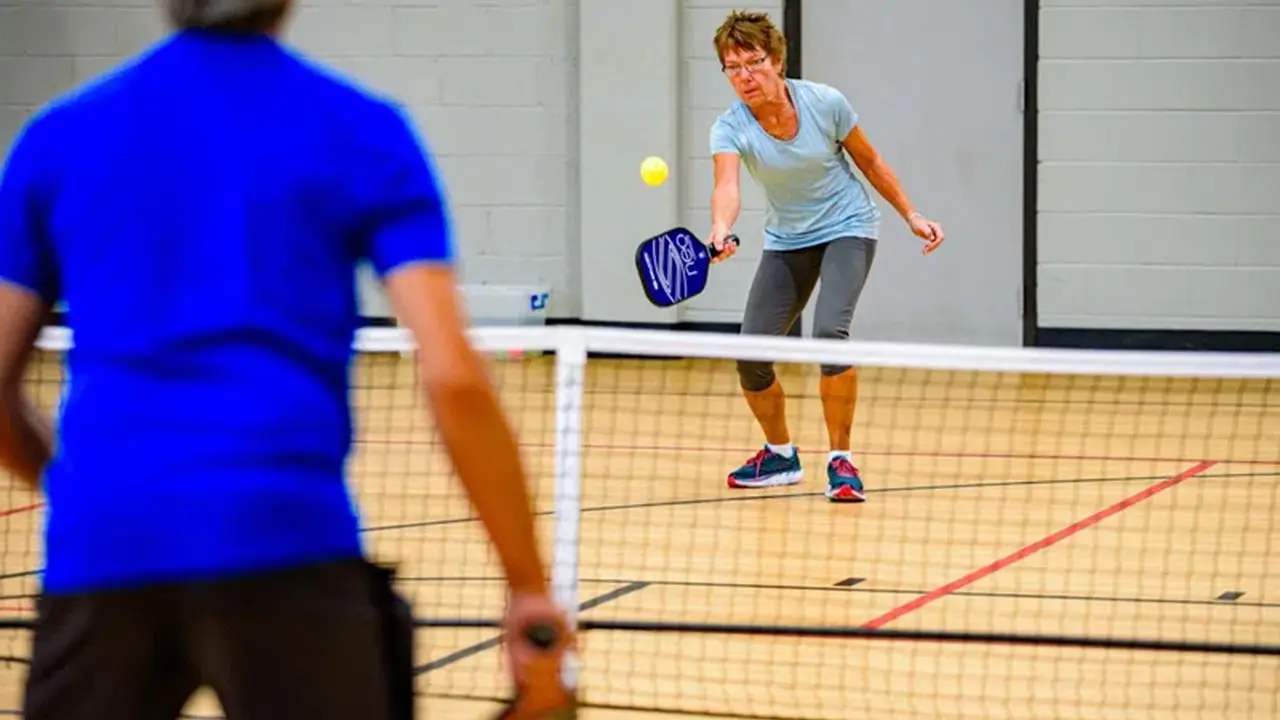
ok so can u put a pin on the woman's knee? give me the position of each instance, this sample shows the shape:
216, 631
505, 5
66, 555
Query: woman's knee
755, 376
832, 330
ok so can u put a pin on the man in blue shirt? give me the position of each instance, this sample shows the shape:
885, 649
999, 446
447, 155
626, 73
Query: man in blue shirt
202, 210
793, 135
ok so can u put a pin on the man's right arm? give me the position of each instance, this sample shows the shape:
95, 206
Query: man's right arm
410, 246
475, 431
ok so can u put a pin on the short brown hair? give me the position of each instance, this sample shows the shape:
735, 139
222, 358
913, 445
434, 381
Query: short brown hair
747, 30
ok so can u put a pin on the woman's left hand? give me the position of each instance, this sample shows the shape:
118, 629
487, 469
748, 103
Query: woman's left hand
926, 230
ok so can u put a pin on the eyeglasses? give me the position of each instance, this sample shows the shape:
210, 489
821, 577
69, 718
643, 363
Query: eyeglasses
751, 66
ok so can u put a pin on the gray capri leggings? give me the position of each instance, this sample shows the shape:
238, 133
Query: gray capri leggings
783, 283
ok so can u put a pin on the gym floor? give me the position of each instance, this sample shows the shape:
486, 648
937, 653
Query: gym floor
997, 503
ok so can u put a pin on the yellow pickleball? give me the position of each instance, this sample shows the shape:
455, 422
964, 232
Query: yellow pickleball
653, 170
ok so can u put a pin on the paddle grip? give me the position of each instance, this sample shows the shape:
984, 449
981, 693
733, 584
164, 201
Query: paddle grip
715, 253
542, 636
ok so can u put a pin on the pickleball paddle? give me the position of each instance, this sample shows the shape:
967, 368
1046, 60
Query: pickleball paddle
673, 266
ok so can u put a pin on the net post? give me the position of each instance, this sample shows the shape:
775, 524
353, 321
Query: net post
571, 361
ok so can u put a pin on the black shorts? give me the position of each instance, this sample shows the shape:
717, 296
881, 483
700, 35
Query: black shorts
326, 641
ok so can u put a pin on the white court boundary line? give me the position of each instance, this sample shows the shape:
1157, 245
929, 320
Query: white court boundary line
724, 346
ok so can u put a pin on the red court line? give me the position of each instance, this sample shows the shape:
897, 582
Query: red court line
20, 510
1064, 533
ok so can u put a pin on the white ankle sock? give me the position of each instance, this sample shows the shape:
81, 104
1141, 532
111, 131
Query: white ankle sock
783, 450
847, 455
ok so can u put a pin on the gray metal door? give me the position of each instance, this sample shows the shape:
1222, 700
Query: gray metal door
937, 86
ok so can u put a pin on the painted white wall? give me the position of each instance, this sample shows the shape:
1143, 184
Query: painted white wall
628, 108
1159, 197
938, 88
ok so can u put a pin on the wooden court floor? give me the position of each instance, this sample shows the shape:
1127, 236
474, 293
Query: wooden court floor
1056, 506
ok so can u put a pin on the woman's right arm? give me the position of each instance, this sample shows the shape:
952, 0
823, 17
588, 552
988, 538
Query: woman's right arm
726, 201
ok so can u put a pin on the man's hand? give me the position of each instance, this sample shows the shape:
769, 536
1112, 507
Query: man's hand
475, 431
537, 664
526, 610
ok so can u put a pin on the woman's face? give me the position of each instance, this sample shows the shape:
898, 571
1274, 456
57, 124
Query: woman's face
755, 76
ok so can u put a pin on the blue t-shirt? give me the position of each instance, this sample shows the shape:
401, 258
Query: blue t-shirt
811, 193
203, 210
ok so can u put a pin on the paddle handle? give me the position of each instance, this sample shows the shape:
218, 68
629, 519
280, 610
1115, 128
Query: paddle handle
715, 253
542, 636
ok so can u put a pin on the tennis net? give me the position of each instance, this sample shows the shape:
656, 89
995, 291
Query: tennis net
1046, 533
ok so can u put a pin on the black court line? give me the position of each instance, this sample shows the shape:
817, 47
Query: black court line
493, 642
874, 591
18, 713
793, 495
764, 496
918, 454
630, 709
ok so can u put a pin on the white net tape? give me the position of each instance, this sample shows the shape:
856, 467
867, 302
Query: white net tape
666, 344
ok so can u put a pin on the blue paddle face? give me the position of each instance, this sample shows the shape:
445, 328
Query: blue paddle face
673, 267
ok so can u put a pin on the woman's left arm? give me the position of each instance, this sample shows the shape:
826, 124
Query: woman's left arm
882, 178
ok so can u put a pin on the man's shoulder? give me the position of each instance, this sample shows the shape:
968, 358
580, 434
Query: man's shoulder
79, 102
307, 75
341, 87
378, 120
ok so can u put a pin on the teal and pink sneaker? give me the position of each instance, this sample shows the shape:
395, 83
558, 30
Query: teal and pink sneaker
768, 469
843, 482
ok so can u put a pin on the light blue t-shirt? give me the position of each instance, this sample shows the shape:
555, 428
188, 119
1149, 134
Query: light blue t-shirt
812, 195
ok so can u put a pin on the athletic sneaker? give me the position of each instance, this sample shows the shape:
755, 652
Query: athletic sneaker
843, 482
768, 469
